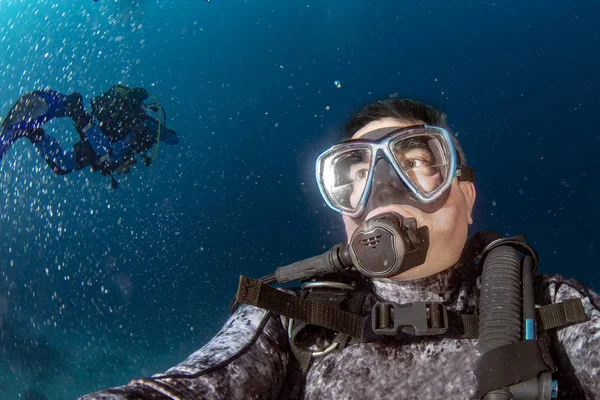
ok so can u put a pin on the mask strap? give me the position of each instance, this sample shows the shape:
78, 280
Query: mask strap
465, 174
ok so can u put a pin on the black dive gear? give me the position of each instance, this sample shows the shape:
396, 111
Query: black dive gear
388, 245
383, 246
120, 110
515, 361
513, 364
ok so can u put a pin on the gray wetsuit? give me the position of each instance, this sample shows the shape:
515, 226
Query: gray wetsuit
250, 357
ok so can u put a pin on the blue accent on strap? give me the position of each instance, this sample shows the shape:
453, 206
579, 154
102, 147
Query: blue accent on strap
554, 393
530, 331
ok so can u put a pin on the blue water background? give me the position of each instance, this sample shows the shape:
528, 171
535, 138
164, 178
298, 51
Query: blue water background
99, 286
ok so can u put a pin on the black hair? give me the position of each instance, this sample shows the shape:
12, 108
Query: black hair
404, 110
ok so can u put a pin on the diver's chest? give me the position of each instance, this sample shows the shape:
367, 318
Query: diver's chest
417, 369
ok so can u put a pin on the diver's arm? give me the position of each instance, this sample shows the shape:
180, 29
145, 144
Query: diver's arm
248, 358
578, 346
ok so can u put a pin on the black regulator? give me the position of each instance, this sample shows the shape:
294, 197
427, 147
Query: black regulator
383, 246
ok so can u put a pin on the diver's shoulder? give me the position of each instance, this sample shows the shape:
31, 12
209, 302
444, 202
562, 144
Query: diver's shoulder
560, 282
557, 288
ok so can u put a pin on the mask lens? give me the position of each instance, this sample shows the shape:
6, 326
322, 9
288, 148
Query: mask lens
344, 177
423, 159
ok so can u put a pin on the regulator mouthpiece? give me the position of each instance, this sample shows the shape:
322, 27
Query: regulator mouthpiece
388, 245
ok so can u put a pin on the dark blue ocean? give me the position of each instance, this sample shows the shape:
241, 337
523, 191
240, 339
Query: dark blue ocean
99, 286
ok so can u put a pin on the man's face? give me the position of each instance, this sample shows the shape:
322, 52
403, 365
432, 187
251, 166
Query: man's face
448, 225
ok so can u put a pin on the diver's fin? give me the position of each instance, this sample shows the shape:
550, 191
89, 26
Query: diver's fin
34, 109
4, 146
7, 138
28, 113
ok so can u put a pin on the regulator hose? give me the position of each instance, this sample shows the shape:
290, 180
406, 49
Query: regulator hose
500, 303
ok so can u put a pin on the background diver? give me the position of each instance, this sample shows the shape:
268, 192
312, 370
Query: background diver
118, 129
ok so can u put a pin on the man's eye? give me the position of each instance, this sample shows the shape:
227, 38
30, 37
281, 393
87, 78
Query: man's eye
412, 163
361, 174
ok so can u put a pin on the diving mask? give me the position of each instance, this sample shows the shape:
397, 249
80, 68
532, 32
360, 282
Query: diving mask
422, 156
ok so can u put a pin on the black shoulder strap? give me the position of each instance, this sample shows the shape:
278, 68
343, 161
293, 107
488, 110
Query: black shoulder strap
255, 293
464, 326
559, 315
551, 316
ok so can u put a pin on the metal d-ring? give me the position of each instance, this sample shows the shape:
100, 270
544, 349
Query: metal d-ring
292, 333
327, 284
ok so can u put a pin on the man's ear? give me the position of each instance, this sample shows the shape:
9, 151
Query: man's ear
468, 190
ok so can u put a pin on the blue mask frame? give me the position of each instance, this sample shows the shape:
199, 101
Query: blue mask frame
382, 146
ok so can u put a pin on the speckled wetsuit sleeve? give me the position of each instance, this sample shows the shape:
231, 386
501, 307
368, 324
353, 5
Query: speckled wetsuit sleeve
577, 346
247, 359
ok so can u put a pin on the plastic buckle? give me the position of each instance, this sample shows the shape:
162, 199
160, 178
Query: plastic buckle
416, 316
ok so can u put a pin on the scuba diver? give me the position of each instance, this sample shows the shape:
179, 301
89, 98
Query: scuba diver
118, 129
407, 307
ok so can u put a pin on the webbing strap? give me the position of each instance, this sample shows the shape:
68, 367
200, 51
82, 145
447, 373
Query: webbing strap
465, 326
559, 315
544, 341
303, 356
509, 364
469, 325
255, 293
304, 362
